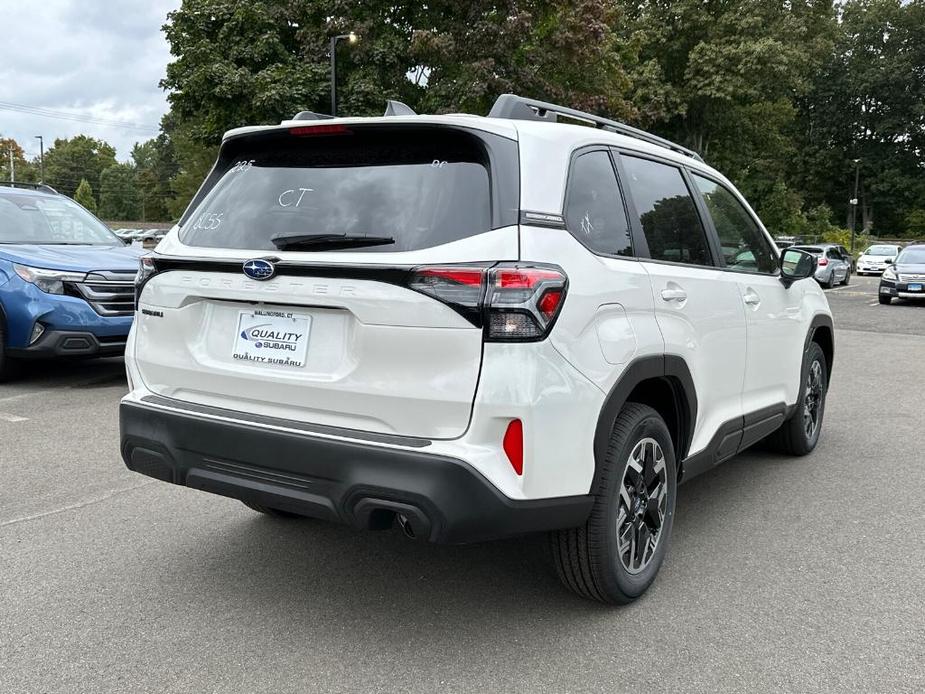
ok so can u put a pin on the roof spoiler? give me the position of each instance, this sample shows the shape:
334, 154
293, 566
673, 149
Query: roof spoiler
513, 107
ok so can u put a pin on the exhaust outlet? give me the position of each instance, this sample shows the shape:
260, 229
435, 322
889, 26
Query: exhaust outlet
405, 525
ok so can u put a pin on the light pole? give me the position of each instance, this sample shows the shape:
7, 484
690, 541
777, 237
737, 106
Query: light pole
854, 200
41, 158
352, 38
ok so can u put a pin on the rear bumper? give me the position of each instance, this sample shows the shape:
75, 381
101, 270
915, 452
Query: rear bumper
357, 483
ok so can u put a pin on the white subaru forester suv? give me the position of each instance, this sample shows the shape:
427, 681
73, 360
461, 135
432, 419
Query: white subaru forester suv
474, 328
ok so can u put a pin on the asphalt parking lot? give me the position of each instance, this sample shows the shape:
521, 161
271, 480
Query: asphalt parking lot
798, 575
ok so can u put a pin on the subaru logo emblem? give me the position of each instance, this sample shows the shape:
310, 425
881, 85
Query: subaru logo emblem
258, 269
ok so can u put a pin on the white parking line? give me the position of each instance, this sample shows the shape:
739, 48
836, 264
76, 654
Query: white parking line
7, 417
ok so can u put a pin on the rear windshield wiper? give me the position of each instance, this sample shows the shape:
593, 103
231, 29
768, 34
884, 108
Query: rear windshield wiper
308, 242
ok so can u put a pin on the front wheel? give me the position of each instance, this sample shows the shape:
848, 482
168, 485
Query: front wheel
616, 554
800, 434
886, 300
847, 278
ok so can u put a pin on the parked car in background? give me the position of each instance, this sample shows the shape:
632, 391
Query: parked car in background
833, 263
905, 278
877, 258
66, 281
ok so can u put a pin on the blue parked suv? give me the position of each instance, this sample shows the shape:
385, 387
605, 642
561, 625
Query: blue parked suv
66, 281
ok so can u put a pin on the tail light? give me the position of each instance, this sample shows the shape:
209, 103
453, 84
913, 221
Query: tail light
513, 303
146, 270
822, 262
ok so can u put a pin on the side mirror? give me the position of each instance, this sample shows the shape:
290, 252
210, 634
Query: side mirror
796, 265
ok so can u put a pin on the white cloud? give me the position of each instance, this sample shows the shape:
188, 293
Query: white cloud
96, 58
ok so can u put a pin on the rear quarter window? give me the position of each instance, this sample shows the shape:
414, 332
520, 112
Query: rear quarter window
422, 186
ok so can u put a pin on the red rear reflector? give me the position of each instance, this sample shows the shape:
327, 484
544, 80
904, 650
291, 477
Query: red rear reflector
514, 445
310, 130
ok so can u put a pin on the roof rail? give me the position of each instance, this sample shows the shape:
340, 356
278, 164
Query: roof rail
515, 107
26, 184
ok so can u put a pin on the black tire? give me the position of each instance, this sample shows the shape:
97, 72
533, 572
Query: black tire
847, 279
793, 438
7, 365
886, 300
828, 284
588, 559
275, 512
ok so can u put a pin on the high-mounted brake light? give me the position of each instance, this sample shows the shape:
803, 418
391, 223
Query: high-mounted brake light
315, 130
515, 303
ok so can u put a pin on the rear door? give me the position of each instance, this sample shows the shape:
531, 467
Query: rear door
697, 305
268, 304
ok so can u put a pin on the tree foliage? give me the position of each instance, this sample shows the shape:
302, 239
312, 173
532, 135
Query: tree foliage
119, 196
84, 195
69, 161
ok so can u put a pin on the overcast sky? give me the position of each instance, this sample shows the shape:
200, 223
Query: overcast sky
100, 59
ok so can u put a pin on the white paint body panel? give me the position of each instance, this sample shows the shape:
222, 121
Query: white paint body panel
386, 359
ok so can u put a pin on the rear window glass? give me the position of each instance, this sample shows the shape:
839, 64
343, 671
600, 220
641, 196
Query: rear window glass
808, 249
422, 187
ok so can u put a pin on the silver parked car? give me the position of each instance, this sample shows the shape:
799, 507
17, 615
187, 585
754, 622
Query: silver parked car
833, 263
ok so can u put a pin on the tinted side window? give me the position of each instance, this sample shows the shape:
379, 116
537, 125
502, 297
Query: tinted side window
744, 245
667, 212
594, 211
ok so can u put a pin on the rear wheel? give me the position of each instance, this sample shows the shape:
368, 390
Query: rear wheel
275, 512
885, 299
800, 434
616, 554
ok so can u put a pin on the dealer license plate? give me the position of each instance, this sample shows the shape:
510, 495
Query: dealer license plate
273, 338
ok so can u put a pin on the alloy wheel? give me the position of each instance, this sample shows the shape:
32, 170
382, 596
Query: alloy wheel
812, 400
643, 503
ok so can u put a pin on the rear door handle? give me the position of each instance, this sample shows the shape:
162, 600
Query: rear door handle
674, 295
751, 298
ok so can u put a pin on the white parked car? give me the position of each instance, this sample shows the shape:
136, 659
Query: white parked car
475, 327
876, 258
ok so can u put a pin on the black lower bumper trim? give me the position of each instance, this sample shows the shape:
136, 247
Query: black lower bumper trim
440, 498
67, 343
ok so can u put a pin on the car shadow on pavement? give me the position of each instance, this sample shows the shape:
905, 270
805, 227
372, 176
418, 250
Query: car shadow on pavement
71, 372
308, 570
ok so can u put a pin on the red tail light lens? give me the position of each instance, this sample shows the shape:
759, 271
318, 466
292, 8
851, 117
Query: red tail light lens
515, 303
523, 301
823, 262
514, 445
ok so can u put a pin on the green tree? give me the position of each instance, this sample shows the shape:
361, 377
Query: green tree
84, 195
868, 103
155, 165
21, 166
69, 161
119, 197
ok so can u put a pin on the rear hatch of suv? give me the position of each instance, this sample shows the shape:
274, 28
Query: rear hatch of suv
316, 276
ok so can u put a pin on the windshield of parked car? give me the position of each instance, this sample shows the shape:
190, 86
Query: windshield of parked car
881, 250
912, 256
52, 220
